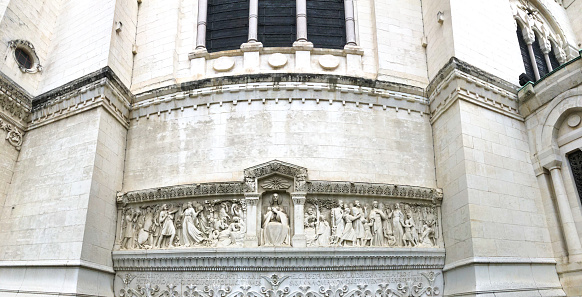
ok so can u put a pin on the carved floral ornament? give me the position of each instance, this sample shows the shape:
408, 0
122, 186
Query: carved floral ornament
422, 284
13, 135
535, 26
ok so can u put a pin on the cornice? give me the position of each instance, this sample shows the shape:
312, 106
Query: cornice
458, 80
312, 187
15, 106
279, 259
100, 89
320, 92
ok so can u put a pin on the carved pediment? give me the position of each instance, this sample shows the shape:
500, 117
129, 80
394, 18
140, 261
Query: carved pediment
275, 166
276, 174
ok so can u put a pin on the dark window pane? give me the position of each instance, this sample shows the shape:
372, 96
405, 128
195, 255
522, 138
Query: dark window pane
553, 59
540, 59
575, 159
525, 54
326, 23
23, 58
276, 23
227, 24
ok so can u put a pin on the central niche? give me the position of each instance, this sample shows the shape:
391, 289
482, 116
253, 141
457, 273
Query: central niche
276, 211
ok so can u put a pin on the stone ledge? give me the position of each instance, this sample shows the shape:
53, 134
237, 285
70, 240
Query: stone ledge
279, 259
498, 260
57, 263
312, 187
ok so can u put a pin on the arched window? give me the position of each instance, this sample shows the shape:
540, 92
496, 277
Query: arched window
538, 41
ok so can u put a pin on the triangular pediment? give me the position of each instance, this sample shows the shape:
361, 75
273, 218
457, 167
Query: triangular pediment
275, 167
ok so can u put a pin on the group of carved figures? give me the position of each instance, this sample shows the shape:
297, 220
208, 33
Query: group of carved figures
212, 224
327, 222
351, 224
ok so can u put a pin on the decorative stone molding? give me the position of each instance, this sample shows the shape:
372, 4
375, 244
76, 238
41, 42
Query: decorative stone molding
276, 259
278, 88
98, 89
312, 187
459, 80
15, 103
13, 135
417, 283
29, 49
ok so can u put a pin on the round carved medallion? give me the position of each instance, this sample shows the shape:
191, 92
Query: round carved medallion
277, 60
223, 64
328, 62
574, 120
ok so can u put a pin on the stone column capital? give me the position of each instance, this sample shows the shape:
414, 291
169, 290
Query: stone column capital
550, 159
298, 198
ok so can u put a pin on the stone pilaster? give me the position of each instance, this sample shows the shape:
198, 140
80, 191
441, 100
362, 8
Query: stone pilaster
298, 239
251, 239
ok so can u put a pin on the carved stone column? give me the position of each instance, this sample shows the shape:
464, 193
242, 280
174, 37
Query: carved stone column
529, 37
350, 24
253, 20
298, 239
301, 13
566, 217
546, 47
251, 239
201, 36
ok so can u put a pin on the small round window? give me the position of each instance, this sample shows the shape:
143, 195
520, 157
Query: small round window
23, 58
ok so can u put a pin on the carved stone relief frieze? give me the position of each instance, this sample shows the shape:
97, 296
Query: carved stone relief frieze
342, 284
276, 206
377, 223
193, 223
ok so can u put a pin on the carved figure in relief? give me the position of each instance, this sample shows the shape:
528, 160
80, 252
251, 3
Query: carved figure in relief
190, 233
275, 226
129, 220
366, 241
427, 235
397, 228
349, 234
376, 217
408, 237
310, 224
167, 226
337, 218
358, 224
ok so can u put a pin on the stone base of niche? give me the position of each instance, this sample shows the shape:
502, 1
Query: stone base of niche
280, 272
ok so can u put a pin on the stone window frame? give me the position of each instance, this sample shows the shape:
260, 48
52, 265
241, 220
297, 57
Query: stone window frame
28, 48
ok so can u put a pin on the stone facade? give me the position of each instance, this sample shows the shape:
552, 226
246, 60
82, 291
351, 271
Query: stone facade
134, 162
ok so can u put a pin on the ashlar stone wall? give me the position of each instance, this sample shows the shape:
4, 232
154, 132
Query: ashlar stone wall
336, 141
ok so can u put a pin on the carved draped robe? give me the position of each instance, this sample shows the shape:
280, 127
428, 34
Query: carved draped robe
190, 233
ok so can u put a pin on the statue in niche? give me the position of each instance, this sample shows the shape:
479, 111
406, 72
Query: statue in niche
190, 234
129, 219
275, 226
166, 221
